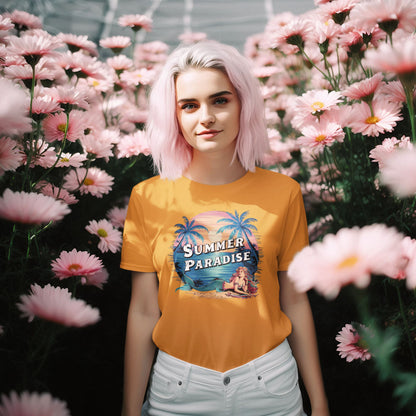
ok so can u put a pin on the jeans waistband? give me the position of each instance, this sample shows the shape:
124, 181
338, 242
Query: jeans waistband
182, 369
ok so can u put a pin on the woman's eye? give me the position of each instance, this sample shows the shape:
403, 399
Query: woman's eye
221, 100
188, 106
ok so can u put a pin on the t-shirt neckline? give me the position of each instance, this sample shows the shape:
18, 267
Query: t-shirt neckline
235, 183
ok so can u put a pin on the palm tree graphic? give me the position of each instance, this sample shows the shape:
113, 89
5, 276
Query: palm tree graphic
240, 226
188, 233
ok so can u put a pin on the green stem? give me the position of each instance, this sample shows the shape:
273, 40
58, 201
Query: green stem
410, 108
326, 76
58, 158
9, 252
32, 147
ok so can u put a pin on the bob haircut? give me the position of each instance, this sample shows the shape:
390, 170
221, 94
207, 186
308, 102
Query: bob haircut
170, 152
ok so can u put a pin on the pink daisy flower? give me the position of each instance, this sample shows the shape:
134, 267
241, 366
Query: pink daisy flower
387, 14
32, 48
44, 155
189, 38
393, 92
95, 181
137, 77
382, 119
10, 156
23, 20
32, 404
75, 263
14, 105
265, 72
77, 43
117, 216
43, 105
80, 65
318, 228
6, 23
31, 208
97, 279
133, 118
71, 159
279, 150
399, 172
97, 147
136, 22
337, 10
54, 126
351, 345
101, 85
292, 36
313, 104
55, 192
110, 238
319, 135
25, 73
387, 147
56, 304
116, 43
399, 60
69, 96
409, 268
150, 53
325, 31
120, 63
364, 90
350, 256
133, 145
110, 135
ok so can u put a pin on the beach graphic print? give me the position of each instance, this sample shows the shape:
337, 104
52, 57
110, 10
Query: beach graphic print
217, 252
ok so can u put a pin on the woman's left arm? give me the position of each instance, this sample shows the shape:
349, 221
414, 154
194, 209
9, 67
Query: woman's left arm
303, 343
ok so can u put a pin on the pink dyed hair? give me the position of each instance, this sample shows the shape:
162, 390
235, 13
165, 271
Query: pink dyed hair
171, 153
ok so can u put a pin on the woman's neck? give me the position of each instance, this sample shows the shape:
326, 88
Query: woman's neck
213, 170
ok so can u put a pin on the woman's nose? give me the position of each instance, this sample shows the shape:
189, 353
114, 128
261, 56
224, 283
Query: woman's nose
207, 117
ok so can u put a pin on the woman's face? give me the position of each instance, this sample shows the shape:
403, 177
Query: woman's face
208, 110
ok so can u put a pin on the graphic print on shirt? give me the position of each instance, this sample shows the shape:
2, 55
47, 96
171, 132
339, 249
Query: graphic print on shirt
217, 251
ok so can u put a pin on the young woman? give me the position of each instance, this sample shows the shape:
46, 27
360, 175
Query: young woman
209, 212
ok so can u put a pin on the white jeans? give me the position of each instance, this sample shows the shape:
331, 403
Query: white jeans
266, 386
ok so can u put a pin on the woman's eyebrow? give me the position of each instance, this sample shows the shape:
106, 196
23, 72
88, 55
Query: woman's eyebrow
217, 94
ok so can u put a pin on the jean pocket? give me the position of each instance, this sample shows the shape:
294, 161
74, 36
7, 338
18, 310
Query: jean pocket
280, 380
164, 387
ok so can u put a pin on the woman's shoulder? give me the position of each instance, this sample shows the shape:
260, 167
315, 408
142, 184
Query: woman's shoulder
274, 178
152, 183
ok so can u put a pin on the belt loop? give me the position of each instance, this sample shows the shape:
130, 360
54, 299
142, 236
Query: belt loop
186, 372
253, 370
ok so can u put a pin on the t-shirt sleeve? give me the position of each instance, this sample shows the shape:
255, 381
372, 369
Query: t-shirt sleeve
295, 234
136, 254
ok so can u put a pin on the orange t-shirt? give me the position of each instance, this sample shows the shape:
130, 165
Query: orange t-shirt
216, 250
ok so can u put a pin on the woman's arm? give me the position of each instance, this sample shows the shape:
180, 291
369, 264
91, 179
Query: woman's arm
303, 343
139, 350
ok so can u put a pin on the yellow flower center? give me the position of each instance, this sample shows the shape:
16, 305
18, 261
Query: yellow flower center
88, 181
74, 267
317, 105
95, 83
62, 127
64, 159
102, 233
372, 120
348, 262
320, 138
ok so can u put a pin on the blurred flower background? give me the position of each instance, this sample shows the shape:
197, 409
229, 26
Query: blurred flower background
339, 88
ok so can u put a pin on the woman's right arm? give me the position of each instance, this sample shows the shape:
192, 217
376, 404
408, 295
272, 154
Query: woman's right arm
139, 349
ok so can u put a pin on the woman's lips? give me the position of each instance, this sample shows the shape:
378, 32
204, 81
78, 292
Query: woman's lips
208, 134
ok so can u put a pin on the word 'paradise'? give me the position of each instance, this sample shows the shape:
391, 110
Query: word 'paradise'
191, 250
